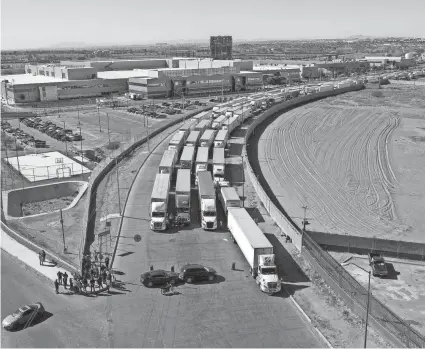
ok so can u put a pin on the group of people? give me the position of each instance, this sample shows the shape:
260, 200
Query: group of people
93, 276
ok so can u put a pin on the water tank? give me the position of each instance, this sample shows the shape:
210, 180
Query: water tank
408, 55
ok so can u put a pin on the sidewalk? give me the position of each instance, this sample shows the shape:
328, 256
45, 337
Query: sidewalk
29, 257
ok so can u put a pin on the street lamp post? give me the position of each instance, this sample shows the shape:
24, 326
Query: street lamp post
368, 300
66, 141
81, 148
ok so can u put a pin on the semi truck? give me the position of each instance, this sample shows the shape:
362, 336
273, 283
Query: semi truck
201, 161
168, 162
207, 138
201, 116
207, 201
187, 127
183, 196
187, 157
218, 123
229, 197
203, 125
258, 251
177, 142
192, 140
231, 123
218, 165
159, 201
221, 139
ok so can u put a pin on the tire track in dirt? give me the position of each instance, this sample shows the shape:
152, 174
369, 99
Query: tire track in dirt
318, 152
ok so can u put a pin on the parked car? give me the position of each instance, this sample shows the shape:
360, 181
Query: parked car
377, 263
158, 277
196, 272
22, 315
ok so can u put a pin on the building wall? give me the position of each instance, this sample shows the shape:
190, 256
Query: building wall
307, 72
23, 93
81, 73
91, 88
205, 84
129, 65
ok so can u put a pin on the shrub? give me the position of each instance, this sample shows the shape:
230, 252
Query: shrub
377, 94
113, 145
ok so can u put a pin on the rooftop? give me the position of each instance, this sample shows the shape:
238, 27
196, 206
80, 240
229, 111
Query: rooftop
122, 74
23, 79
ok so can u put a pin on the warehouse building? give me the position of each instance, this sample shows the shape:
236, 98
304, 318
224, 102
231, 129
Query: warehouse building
150, 77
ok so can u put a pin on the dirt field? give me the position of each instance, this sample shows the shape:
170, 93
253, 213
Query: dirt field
47, 205
403, 291
355, 160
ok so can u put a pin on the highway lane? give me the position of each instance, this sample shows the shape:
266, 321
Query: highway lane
232, 312
74, 321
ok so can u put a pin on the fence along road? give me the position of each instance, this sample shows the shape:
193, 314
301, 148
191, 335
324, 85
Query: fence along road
388, 324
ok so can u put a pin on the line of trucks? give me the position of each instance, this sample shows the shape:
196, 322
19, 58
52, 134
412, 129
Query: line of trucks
198, 137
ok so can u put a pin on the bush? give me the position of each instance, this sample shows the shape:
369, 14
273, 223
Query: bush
377, 94
113, 145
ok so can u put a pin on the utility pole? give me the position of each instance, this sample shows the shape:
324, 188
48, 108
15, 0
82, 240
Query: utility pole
63, 233
81, 150
367, 311
17, 160
118, 183
147, 132
109, 134
78, 110
66, 141
305, 221
98, 115
243, 183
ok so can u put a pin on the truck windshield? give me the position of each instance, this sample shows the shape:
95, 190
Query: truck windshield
268, 270
158, 214
209, 213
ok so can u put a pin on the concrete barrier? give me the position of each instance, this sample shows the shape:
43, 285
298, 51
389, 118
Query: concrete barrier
103, 169
13, 199
361, 244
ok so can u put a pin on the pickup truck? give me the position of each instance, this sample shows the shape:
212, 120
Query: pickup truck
377, 263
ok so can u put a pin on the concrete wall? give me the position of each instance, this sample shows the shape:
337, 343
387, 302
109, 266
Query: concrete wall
14, 198
81, 73
129, 64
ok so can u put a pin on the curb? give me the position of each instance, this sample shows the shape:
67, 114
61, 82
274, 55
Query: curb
329, 345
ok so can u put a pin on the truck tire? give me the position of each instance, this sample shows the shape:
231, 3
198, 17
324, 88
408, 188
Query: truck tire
189, 280
150, 284
211, 277
252, 271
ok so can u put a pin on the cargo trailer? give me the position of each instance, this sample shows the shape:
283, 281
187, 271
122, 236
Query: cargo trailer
221, 139
207, 201
159, 202
187, 158
229, 197
168, 162
183, 196
218, 165
201, 161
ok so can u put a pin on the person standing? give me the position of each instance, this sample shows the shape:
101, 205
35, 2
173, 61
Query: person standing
85, 284
92, 284
65, 279
99, 281
71, 285
104, 277
43, 257
107, 262
57, 286
109, 279
59, 274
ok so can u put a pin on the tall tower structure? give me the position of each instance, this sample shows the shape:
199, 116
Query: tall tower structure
221, 47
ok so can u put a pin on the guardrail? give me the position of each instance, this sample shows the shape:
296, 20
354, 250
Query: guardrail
104, 168
388, 324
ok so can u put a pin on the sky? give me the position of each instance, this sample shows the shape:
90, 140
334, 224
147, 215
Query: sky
28, 24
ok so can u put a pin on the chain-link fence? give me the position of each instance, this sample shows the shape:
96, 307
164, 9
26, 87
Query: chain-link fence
392, 324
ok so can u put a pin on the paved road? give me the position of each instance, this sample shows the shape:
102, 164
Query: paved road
73, 321
229, 313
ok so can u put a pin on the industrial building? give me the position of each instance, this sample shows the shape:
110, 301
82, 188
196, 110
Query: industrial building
221, 47
389, 62
151, 78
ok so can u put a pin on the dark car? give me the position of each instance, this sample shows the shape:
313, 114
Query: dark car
196, 272
378, 265
158, 277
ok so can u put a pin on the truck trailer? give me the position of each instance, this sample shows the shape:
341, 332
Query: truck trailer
192, 140
258, 251
231, 123
177, 142
207, 201
201, 116
218, 123
183, 196
187, 158
229, 197
218, 165
207, 138
159, 202
168, 162
221, 139
203, 125
187, 127
201, 161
